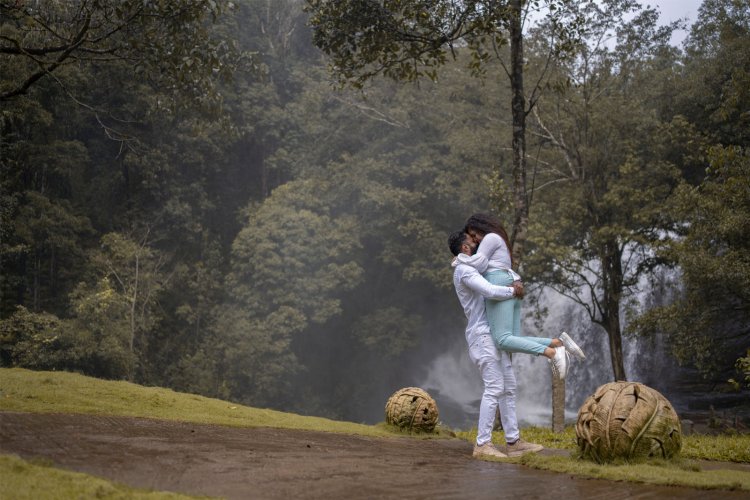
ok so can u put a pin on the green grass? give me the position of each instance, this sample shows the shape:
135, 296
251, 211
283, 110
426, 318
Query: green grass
682, 471
62, 392
724, 448
564, 440
45, 392
22, 480
721, 448
660, 472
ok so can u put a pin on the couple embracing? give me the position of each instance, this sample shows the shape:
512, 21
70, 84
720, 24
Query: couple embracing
490, 293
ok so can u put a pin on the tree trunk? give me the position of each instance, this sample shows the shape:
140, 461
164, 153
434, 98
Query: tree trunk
263, 173
133, 302
35, 291
520, 200
518, 110
21, 286
612, 278
615, 348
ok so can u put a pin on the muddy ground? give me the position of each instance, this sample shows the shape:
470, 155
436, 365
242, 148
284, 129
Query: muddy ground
270, 463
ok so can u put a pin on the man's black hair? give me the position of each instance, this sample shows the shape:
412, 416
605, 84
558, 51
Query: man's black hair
455, 240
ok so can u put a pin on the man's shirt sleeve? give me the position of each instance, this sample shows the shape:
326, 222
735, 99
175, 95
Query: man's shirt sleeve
475, 282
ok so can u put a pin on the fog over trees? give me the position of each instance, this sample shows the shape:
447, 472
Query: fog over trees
190, 199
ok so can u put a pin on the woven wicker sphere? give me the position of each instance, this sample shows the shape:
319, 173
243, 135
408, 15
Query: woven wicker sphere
413, 409
627, 420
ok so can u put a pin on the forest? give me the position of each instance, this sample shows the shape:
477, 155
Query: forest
251, 199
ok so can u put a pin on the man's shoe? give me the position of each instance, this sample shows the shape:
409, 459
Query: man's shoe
520, 447
571, 346
488, 450
559, 363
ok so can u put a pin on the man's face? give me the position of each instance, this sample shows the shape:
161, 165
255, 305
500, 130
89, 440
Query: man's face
469, 247
475, 236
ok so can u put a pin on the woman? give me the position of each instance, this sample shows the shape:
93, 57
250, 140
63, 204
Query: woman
494, 260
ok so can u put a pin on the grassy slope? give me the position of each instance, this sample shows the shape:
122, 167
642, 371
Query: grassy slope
22, 480
30, 391
61, 392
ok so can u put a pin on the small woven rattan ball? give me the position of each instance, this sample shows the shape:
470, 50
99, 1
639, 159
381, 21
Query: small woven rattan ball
627, 420
413, 409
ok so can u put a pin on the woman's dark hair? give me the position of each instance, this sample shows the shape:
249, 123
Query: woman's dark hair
485, 224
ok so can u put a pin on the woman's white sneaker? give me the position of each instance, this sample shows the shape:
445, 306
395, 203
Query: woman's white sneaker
571, 346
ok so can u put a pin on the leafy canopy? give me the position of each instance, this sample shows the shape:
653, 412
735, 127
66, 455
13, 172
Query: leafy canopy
409, 39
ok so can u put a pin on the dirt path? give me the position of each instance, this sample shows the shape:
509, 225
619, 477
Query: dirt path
270, 463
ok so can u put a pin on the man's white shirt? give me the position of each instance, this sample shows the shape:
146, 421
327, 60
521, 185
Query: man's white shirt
472, 289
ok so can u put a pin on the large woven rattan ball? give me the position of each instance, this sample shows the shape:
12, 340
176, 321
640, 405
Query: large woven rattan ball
413, 409
630, 421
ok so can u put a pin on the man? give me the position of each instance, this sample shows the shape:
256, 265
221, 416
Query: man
495, 366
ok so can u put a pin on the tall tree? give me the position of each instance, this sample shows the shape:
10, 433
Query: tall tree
290, 262
601, 192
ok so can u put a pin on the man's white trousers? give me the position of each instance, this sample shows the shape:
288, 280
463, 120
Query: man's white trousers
499, 389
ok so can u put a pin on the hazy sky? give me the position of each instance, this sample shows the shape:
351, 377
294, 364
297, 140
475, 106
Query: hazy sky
671, 10
674, 9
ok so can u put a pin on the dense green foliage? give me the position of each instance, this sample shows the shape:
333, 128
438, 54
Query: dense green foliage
273, 241
406, 40
708, 325
166, 43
